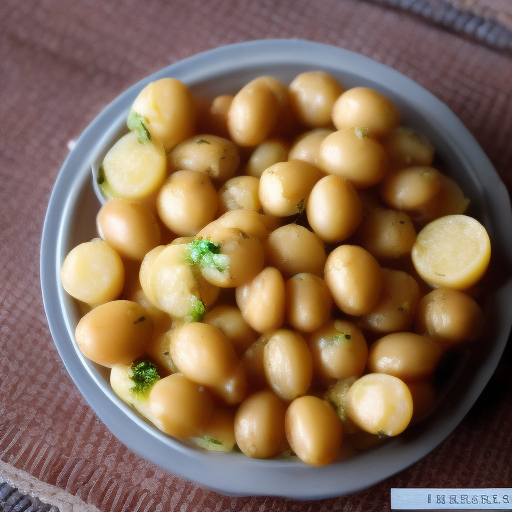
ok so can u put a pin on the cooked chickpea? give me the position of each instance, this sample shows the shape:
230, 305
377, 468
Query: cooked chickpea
262, 300
115, 332
354, 279
336, 395
287, 363
269, 152
203, 353
146, 267
241, 258
407, 148
405, 355
306, 147
259, 425
293, 249
249, 221
239, 193
396, 305
173, 284
313, 430
355, 155
219, 433
168, 109
387, 234
93, 273
182, 407
216, 117
229, 320
215, 156
334, 209
129, 228
252, 363
132, 170
285, 122
449, 317
368, 108
187, 202
312, 96
411, 188
380, 404
338, 350
253, 113
308, 302
285, 187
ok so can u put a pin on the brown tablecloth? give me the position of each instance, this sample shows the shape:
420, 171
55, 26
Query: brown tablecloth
60, 63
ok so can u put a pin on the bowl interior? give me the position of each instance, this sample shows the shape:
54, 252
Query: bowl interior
71, 220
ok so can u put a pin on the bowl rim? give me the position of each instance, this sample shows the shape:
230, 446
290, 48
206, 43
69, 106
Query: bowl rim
286, 478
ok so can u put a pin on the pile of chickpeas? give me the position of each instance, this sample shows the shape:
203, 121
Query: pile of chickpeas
291, 260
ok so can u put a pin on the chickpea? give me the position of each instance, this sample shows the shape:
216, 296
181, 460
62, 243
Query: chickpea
219, 433
253, 113
252, 363
249, 221
269, 152
361, 106
312, 96
396, 305
93, 273
284, 187
232, 390
306, 147
338, 350
259, 425
449, 200
239, 193
355, 155
262, 300
449, 317
407, 148
240, 258
380, 404
354, 279
216, 117
411, 188
187, 202
215, 156
285, 122
387, 234
114, 333
173, 284
294, 249
133, 170
158, 351
182, 407
453, 251
129, 228
308, 302
146, 268
313, 430
336, 395
405, 355
203, 353
168, 110
287, 363
334, 209
229, 320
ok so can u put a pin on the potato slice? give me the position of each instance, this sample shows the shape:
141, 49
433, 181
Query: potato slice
452, 251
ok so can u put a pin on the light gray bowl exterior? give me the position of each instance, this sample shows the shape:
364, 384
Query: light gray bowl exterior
70, 220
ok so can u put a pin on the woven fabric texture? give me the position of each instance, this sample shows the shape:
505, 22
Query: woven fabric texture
61, 62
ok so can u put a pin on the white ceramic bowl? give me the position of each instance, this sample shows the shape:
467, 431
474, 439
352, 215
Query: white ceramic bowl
71, 219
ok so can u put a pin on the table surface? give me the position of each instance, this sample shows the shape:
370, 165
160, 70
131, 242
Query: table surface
60, 63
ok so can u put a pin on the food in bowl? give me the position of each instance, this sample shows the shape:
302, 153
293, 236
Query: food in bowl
269, 303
